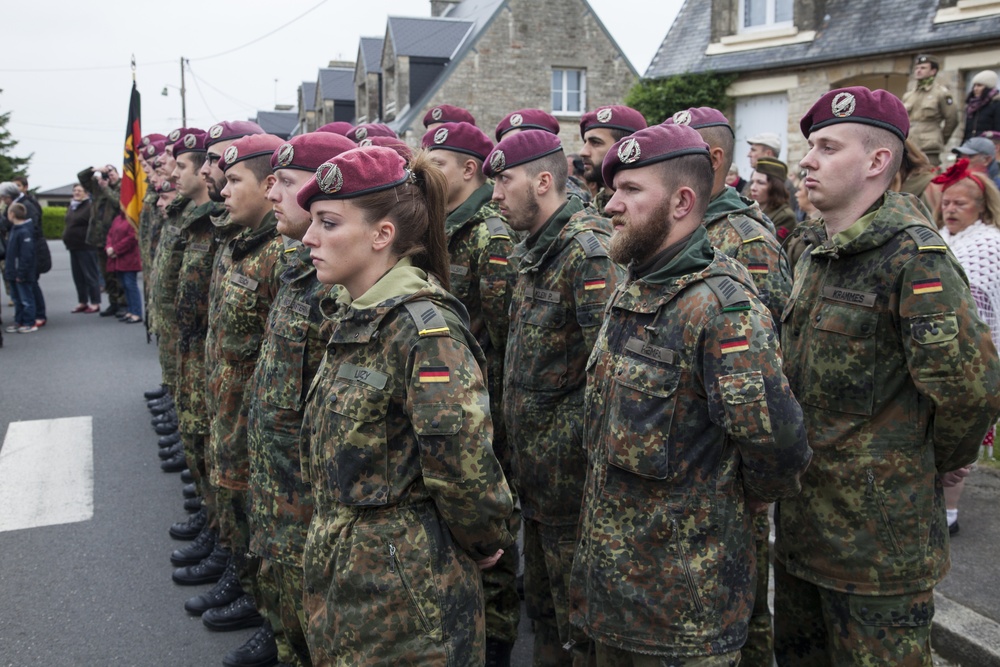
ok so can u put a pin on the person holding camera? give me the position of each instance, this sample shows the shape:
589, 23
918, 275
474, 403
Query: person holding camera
104, 186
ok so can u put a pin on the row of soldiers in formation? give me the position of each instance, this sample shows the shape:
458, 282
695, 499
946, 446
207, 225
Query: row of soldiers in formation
385, 364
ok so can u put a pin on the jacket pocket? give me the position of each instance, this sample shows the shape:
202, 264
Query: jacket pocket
744, 398
840, 375
354, 444
937, 338
641, 410
539, 360
283, 363
438, 428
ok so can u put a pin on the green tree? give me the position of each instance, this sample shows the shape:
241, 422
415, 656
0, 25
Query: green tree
10, 165
658, 99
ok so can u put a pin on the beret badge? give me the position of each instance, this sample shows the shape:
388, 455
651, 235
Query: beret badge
285, 155
174, 135
215, 131
843, 105
604, 116
361, 133
682, 117
629, 151
231, 154
329, 178
498, 161
516, 120
441, 135
190, 141
436, 113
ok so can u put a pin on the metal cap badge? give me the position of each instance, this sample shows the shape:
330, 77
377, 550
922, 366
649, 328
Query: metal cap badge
329, 178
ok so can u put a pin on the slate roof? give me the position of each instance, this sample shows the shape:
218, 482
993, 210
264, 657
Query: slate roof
309, 95
427, 37
278, 123
371, 54
336, 83
61, 191
850, 29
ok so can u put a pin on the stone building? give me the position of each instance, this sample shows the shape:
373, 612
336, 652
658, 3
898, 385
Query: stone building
335, 93
306, 108
368, 80
787, 53
494, 56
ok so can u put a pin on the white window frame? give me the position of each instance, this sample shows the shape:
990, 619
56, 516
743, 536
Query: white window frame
583, 91
769, 21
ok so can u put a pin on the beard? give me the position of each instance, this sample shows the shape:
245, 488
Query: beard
594, 176
214, 190
522, 221
637, 242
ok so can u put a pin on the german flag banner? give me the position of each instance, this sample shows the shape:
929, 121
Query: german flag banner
133, 177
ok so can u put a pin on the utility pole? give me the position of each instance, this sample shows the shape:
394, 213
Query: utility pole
184, 121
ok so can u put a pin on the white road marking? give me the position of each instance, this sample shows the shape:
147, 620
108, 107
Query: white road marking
47, 473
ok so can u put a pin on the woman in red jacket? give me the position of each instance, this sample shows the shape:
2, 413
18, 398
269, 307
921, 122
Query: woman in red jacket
122, 247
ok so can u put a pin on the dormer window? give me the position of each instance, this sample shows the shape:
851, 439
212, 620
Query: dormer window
765, 14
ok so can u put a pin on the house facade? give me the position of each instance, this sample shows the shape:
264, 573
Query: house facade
787, 53
335, 93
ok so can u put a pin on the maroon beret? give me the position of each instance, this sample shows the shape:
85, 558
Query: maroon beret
367, 130
395, 143
992, 135
520, 148
527, 119
857, 104
228, 130
165, 186
699, 117
337, 127
247, 147
192, 141
460, 138
354, 173
150, 138
446, 113
306, 152
154, 148
652, 145
614, 117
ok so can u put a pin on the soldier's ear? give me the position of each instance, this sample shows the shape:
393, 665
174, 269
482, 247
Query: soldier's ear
880, 161
471, 169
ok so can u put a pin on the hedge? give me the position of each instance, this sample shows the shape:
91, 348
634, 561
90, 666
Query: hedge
53, 221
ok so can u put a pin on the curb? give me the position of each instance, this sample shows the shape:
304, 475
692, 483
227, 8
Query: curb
963, 635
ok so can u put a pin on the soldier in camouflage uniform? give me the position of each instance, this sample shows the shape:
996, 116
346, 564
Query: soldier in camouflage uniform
564, 279
599, 129
536, 119
245, 281
150, 218
689, 420
479, 244
899, 381
931, 108
281, 503
740, 230
409, 495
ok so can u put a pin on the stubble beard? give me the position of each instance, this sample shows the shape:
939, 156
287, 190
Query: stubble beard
526, 219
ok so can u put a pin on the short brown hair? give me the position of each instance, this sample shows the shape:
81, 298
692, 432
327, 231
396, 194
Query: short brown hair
19, 211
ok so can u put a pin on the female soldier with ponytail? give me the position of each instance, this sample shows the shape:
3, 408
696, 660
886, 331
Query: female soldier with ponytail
409, 496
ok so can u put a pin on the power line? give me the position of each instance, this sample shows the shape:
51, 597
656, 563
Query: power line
254, 41
226, 95
14, 121
197, 87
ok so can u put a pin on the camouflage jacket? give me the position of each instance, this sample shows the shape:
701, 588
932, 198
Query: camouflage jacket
687, 414
898, 381
933, 116
163, 292
147, 220
191, 314
479, 243
408, 491
295, 338
601, 199
736, 226
246, 276
105, 205
564, 279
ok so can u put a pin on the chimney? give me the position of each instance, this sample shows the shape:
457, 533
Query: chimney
349, 64
442, 7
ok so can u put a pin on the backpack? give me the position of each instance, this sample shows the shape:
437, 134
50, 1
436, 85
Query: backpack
43, 257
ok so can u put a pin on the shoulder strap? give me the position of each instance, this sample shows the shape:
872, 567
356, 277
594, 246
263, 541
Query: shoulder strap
927, 239
745, 228
498, 230
731, 294
591, 246
427, 317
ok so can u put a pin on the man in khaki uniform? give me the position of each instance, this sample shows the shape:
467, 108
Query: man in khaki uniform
931, 108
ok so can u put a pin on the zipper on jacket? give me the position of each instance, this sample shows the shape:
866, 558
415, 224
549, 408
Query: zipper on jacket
875, 492
394, 566
687, 568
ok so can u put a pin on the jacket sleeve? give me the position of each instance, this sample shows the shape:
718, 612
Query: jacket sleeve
496, 281
950, 355
125, 242
448, 406
749, 397
949, 111
594, 281
27, 258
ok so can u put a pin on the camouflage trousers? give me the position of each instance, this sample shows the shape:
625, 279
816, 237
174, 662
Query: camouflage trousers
548, 561
194, 451
758, 651
819, 627
113, 286
234, 533
166, 342
280, 602
609, 656
503, 604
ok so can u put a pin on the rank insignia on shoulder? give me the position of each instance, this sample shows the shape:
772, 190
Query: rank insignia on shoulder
497, 229
429, 320
739, 344
928, 286
594, 283
499, 259
430, 374
757, 268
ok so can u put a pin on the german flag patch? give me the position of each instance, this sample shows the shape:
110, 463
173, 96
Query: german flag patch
928, 286
757, 268
596, 283
435, 374
740, 344
499, 259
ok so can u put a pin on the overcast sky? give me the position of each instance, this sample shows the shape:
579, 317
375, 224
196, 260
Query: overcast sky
71, 110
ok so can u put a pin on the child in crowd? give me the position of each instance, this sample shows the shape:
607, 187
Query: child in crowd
21, 270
